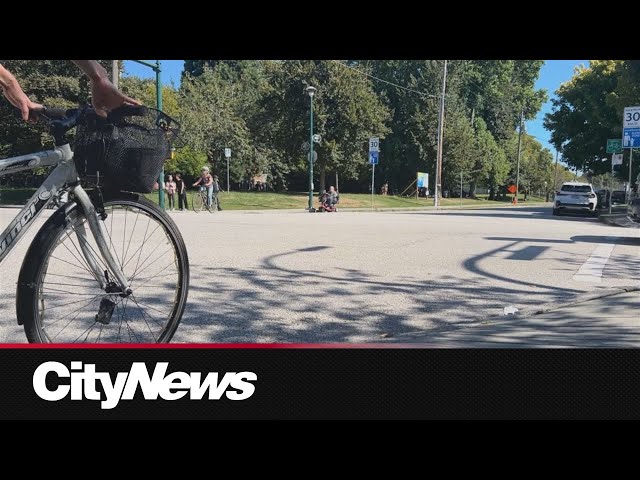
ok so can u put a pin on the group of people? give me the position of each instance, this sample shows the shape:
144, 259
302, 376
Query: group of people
178, 187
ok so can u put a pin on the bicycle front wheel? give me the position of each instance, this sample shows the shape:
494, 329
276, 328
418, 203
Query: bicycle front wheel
197, 203
60, 299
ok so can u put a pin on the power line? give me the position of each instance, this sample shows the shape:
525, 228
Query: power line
385, 81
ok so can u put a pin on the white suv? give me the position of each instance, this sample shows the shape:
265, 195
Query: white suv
575, 196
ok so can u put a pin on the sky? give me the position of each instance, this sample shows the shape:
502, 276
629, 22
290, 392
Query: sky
552, 74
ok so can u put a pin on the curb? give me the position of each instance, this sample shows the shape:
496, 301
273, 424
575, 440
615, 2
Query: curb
519, 316
617, 220
581, 298
365, 209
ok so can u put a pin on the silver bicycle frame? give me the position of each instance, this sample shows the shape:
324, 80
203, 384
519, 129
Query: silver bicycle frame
63, 175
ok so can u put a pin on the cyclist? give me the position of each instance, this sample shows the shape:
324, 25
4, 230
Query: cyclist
104, 95
206, 181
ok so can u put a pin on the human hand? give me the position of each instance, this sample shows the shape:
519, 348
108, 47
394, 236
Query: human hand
106, 97
13, 92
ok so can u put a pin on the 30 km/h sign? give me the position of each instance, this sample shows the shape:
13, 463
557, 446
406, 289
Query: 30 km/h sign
374, 144
631, 127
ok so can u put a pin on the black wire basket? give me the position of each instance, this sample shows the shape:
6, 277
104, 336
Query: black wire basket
126, 150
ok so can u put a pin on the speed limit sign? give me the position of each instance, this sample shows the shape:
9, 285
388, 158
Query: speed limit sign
631, 117
631, 127
374, 144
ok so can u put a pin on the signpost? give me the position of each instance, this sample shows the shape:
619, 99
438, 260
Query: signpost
227, 154
422, 181
374, 150
631, 136
614, 146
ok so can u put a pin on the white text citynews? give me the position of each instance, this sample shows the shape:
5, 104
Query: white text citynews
83, 380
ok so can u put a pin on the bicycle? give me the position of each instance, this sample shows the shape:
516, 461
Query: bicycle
126, 281
199, 201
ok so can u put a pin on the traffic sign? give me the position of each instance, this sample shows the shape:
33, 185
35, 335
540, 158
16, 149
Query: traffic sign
373, 158
315, 156
614, 145
631, 117
374, 144
616, 159
227, 152
631, 127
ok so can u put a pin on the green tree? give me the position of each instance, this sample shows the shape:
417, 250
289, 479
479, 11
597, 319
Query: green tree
346, 113
210, 108
585, 114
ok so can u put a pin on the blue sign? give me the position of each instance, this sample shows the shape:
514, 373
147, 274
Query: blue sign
373, 158
631, 138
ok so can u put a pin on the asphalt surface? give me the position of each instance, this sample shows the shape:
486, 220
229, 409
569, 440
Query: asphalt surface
297, 277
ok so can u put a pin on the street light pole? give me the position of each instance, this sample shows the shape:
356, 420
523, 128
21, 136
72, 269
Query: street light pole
159, 104
115, 73
436, 200
311, 91
156, 68
555, 173
519, 150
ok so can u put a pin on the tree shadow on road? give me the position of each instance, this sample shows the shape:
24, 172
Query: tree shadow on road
274, 303
564, 328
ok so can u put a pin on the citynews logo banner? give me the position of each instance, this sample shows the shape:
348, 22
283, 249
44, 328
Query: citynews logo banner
187, 383
54, 381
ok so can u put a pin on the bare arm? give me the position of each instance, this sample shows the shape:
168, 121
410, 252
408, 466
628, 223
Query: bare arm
104, 95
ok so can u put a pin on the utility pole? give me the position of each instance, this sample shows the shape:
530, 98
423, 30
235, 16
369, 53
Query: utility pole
628, 192
436, 200
115, 73
555, 173
519, 150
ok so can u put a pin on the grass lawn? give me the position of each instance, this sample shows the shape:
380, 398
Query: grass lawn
270, 200
15, 196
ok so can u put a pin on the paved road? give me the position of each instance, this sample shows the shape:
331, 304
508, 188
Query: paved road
365, 276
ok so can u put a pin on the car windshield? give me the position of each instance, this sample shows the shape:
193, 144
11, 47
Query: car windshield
576, 188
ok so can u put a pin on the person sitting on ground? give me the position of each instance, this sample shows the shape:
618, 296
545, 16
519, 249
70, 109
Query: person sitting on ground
333, 196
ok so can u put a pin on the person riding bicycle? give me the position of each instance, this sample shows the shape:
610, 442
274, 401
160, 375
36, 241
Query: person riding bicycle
104, 95
206, 181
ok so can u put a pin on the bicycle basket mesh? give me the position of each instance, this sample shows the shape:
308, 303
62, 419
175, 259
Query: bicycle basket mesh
125, 151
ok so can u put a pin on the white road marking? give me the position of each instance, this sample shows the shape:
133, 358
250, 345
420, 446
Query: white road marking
591, 270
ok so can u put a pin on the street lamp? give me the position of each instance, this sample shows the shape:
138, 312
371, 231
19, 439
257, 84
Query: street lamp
311, 91
156, 68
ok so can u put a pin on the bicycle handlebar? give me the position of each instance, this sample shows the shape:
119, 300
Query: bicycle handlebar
60, 120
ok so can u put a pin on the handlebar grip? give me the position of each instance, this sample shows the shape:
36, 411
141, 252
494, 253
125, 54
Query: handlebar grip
128, 111
53, 113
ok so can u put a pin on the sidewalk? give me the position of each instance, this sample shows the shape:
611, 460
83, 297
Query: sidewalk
608, 318
618, 217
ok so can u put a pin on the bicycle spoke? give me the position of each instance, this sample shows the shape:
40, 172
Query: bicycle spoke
69, 295
72, 319
133, 275
130, 237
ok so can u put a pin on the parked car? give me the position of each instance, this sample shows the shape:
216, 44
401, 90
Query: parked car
575, 196
618, 197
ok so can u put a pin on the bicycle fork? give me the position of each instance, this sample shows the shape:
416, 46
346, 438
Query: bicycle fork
121, 285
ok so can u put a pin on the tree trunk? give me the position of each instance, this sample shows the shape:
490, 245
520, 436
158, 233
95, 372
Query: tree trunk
492, 192
323, 168
472, 189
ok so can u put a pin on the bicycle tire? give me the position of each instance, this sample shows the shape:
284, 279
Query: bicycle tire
53, 250
197, 203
